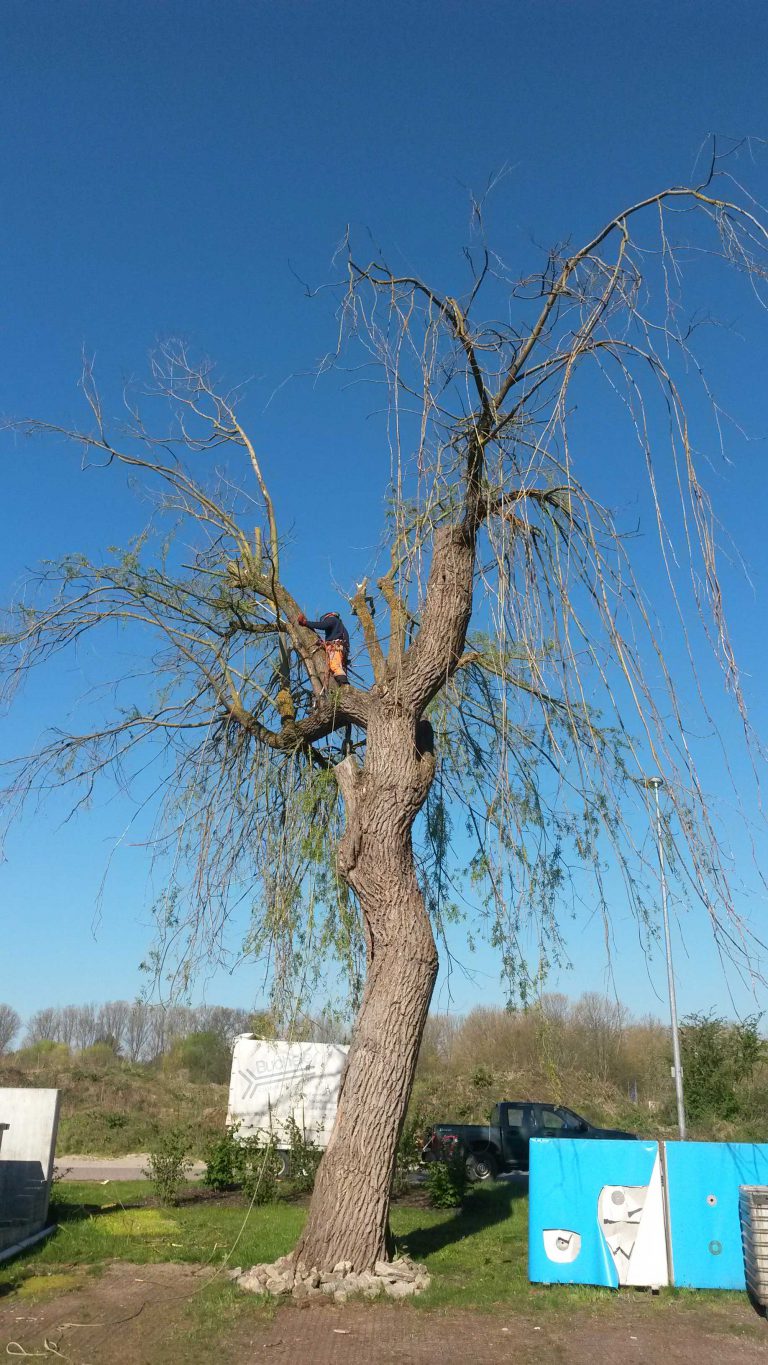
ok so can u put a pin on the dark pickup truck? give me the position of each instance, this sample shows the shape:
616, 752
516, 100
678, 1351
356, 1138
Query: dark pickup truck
502, 1144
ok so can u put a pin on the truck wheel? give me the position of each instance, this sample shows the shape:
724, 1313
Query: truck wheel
481, 1166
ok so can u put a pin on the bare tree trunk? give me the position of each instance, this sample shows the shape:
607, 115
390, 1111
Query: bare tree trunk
348, 1217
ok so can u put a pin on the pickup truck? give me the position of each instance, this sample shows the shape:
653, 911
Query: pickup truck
502, 1144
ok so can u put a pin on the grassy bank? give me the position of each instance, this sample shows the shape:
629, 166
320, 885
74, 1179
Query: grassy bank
110, 1106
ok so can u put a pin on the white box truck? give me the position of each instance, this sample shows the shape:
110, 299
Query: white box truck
274, 1081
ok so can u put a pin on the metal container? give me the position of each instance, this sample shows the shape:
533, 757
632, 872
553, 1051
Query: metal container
753, 1216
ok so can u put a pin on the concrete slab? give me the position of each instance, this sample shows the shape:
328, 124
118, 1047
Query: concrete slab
28, 1122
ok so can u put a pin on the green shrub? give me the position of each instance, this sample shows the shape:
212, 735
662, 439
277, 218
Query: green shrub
169, 1163
204, 1056
304, 1157
224, 1161
252, 1164
263, 1168
447, 1178
482, 1078
408, 1156
99, 1057
719, 1062
43, 1053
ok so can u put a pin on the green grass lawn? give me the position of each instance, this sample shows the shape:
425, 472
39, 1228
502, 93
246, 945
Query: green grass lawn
477, 1258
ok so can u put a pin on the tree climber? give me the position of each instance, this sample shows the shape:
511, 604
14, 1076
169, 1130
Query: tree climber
336, 644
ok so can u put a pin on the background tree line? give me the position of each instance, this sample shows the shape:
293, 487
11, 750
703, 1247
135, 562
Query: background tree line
198, 1038
589, 1053
137, 1030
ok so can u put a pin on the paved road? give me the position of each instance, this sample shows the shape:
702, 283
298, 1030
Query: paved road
103, 1168
131, 1167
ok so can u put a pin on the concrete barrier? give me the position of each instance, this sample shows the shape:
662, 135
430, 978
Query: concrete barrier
641, 1213
28, 1122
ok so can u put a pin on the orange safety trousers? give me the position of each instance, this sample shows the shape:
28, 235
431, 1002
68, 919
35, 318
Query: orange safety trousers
334, 650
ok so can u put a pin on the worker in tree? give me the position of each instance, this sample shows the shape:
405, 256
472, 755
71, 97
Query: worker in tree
336, 644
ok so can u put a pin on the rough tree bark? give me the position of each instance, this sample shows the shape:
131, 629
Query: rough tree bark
348, 1218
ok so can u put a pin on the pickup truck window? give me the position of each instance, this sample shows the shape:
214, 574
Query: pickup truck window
554, 1123
573, 1120
515, 1115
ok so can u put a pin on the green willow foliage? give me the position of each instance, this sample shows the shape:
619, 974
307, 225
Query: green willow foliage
565, 693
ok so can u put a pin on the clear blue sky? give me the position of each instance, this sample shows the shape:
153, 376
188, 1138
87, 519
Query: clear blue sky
172, 168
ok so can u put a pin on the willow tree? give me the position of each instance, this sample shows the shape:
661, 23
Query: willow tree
497, 716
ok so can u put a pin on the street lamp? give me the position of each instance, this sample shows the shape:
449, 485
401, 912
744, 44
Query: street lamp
653, 784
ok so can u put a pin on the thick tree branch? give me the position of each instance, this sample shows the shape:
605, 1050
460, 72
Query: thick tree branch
435, 653
398, 617
362, 611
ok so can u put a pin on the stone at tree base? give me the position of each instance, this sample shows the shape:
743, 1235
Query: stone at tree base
367, 1280
400, 1269
400, 1279
278, 1287
400, 1289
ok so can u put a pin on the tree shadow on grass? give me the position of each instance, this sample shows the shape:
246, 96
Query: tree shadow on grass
484, 1207
63, 1211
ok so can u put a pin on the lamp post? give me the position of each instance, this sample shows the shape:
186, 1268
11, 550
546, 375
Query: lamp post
654, 784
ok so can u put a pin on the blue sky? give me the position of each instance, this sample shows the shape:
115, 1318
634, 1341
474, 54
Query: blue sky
179, 168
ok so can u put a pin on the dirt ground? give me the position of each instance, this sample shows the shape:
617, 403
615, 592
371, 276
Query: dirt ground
139, 1315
